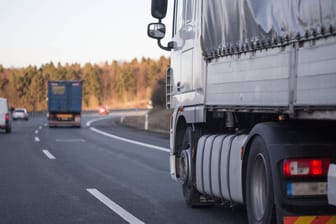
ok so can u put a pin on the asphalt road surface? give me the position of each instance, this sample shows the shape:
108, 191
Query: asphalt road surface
100, 173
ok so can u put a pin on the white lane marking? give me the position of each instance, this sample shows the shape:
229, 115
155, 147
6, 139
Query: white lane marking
37, 139
115, 207
71, 140
131, 141
48, 154
40, 127
88, 124
36, 132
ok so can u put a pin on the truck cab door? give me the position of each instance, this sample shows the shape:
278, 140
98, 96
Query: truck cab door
182, 53
75, 96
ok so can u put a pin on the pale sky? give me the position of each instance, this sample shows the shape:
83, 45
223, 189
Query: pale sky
35, 32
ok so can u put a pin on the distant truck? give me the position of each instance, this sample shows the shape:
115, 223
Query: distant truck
252, 86
64, 103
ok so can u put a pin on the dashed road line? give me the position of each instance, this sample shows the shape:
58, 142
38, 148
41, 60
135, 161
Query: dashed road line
115, 207
48, 154
71, 140
37, 139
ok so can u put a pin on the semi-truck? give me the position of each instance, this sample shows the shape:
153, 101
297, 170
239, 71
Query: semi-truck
64, 103
252, 89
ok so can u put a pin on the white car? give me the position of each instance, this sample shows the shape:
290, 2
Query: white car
5, 118
20, 113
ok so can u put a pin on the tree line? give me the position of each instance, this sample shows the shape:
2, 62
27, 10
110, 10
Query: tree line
116, 84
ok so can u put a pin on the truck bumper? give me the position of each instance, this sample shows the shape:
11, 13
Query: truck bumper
172, 160
64, 124
309, 219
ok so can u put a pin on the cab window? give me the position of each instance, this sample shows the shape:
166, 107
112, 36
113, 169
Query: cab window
183, 13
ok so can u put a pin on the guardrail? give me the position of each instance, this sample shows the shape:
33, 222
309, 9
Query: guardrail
44, 113
37, 113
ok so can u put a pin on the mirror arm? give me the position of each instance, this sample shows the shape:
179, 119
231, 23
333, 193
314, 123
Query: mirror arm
168, 48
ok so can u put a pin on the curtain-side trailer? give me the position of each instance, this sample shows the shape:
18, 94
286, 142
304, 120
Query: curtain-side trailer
252, 87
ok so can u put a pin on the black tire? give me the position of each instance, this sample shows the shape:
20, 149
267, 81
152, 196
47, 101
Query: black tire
259, 185
191, 196
190, 193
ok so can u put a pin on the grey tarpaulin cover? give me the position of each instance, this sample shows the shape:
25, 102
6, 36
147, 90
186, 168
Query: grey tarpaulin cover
234, 26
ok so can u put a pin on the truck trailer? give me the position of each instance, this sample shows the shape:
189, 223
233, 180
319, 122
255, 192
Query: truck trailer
64, 103
252, 89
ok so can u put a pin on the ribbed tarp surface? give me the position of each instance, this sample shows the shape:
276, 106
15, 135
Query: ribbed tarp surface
234, 26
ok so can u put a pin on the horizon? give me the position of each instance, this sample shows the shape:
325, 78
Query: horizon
120, 61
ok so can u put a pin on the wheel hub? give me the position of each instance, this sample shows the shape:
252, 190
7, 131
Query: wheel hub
185, 167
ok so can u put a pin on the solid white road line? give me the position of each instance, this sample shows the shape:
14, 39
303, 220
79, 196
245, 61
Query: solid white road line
37, 139
88, 124
115, 207
48, 154
130, 141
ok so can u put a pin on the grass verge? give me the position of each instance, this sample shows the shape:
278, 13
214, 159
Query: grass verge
158, 120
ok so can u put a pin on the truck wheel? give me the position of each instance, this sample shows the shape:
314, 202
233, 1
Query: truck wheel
186, 169
259, 186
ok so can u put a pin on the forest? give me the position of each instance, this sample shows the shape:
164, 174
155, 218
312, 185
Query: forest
117, 84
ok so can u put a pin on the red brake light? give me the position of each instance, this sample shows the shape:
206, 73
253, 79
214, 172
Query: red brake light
7, 117
306, 167
316, 167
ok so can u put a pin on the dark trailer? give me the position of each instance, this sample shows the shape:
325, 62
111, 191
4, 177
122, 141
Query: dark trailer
65, 103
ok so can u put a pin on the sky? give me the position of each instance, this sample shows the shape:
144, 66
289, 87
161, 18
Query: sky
36, 32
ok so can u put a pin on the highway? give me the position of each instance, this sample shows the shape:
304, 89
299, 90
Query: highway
100, 173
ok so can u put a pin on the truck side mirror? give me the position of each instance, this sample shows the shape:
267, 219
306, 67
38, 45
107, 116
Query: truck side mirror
159, 9
156, 30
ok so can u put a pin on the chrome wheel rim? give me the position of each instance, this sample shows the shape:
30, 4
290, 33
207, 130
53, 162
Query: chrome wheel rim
259, 190
185, 167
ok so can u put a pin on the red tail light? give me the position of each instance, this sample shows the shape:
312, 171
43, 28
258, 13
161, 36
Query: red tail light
7, 117
306, 167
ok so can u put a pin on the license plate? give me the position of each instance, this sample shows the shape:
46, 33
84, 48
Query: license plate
64, 116
307, 189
